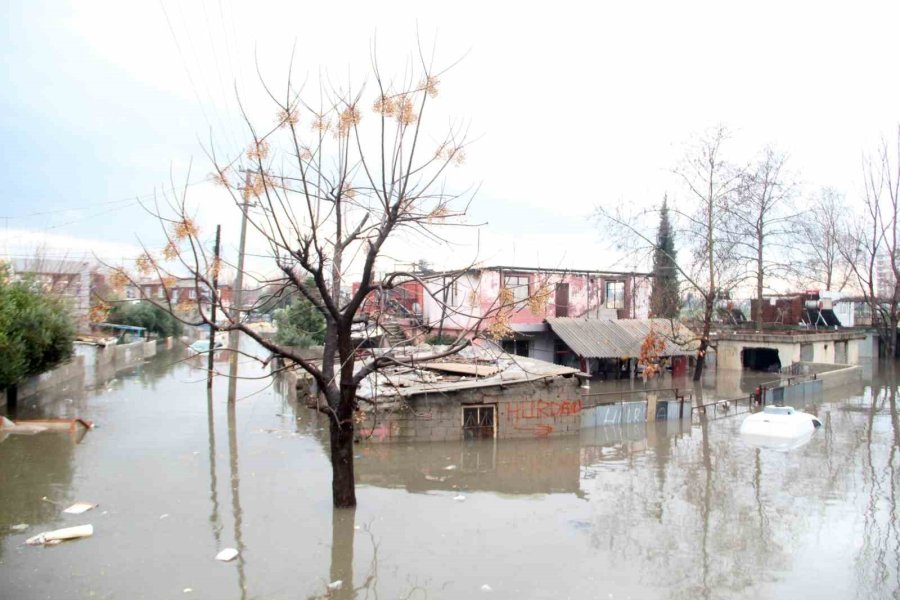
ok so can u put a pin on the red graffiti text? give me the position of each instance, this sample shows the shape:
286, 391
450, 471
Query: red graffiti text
539, 409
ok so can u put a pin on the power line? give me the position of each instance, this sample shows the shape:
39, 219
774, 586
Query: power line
124, 201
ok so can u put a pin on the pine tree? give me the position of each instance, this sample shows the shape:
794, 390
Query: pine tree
664, 300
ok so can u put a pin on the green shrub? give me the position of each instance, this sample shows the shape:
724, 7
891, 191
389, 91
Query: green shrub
300, 324
36, 333
148, 315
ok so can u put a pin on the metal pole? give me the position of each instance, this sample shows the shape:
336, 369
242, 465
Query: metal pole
237, 302
212, 328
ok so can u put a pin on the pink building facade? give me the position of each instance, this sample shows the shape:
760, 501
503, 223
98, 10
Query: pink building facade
456, 303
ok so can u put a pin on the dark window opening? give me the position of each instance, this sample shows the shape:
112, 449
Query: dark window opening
561, 352
761, 359
562, 299
478, 422
517, 347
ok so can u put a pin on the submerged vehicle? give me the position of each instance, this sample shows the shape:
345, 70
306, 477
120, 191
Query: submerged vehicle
779, 427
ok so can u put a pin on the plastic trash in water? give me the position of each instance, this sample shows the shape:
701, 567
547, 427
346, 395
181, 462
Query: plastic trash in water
20, 527
459, 498
227, 554
56, 536
80, 507
486, 588
335, 585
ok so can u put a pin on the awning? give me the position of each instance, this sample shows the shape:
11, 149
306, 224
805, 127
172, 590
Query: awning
600, 338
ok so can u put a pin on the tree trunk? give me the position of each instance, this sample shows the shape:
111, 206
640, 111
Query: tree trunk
759, 286
12, 397
342, 534
343, 484
891, 350
704, 340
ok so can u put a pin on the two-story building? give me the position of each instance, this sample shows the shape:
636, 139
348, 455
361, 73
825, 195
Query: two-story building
458, 303
183, 292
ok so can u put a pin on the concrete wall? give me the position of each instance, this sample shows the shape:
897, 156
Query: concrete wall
824, 380
65, 375
840, 377
794, 349
537, 409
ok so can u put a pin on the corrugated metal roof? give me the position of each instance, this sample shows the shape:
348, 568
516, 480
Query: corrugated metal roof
409, 381
599, 338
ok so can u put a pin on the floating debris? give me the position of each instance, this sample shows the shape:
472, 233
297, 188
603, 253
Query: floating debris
20, 527
227, 554
80, 507
38, 425
49, 538
450, 467
486, 588
335, 585
459, 498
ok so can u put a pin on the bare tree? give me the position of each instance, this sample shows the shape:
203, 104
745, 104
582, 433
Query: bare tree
871, 244
708, 264
818, 232
326, 188
760, 220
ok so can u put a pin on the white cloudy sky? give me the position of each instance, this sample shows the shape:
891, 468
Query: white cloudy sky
573, 105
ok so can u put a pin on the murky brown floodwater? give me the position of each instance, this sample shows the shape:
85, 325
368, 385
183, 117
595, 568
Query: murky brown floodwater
669, 511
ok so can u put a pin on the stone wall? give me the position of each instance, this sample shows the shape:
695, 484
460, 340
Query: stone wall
521, 410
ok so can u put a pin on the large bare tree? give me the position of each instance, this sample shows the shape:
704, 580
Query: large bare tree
707, 264
760, 220
818, 232
871, 242
326, 187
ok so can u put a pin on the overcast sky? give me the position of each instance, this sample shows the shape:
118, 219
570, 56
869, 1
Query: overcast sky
572, 105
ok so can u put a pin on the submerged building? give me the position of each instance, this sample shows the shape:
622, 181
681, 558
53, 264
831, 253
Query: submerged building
478, 393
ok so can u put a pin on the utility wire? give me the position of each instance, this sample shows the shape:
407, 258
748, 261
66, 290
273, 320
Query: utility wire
124, 201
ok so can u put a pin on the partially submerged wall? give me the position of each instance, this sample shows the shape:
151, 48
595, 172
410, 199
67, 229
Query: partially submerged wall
91, 365
65, 375
624, 413
528, 409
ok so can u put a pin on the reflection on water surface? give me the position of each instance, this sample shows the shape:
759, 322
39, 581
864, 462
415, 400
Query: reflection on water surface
672, 510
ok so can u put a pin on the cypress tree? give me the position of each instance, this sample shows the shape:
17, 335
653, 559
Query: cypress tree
664, 300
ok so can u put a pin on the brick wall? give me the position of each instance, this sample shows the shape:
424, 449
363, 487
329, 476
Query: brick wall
522, 410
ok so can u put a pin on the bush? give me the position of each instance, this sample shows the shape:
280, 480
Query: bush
300, 324
148, 315
36, 333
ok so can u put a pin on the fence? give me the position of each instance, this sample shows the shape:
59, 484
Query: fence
628, 406
775, 392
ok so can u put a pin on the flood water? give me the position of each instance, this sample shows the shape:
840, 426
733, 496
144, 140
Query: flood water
670, 510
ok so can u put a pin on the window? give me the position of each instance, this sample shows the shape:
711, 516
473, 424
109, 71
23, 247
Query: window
615, 294
192, 293
517, 347
478, 421
518, 284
